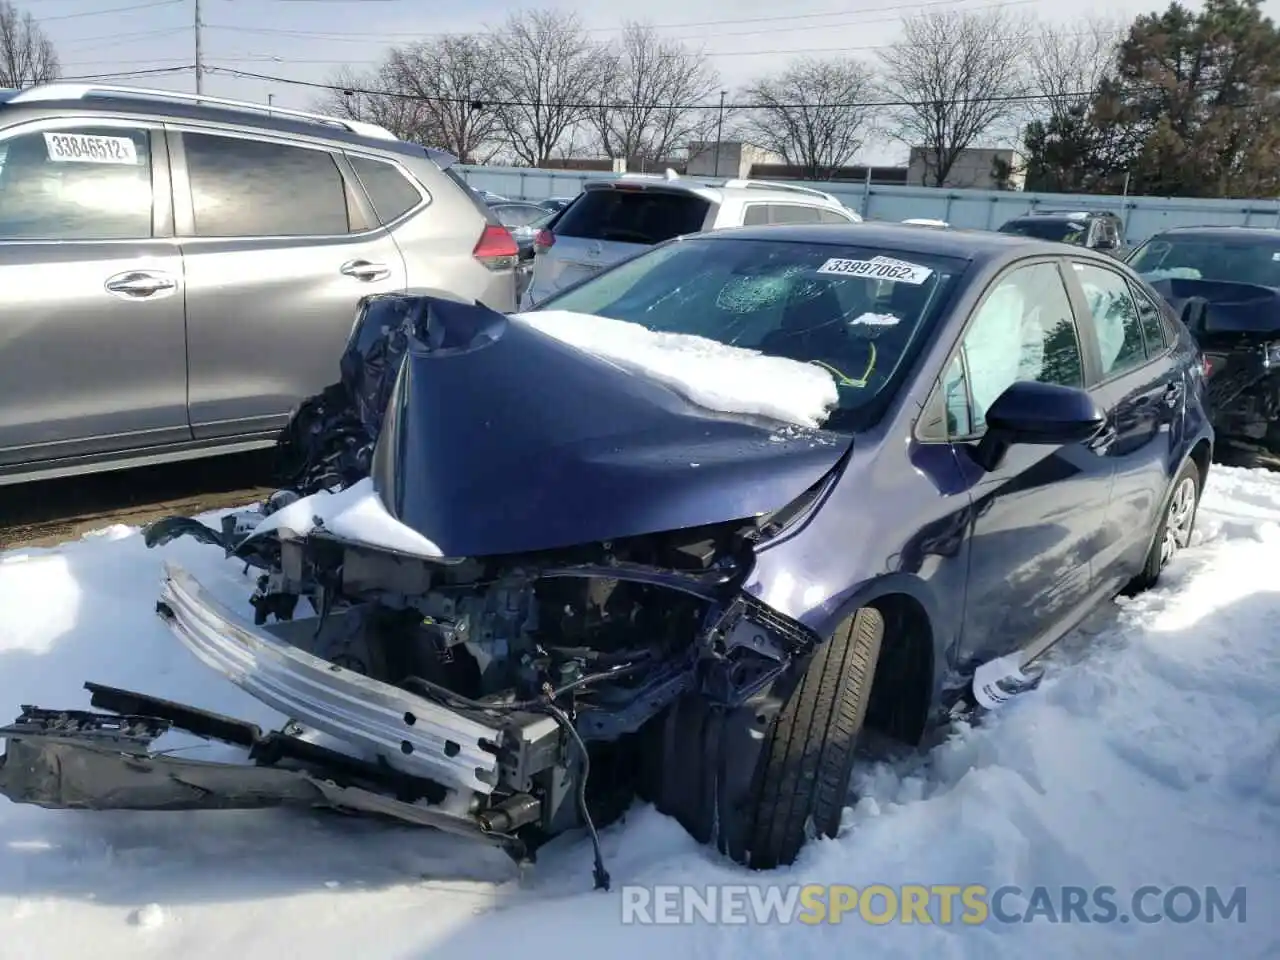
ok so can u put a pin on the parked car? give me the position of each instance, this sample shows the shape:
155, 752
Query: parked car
178, 274
1225, 283
524, 220
615, 219
1094, 229
683, 531
555, 204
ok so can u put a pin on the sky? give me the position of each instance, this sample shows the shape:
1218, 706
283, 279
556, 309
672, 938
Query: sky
307, 40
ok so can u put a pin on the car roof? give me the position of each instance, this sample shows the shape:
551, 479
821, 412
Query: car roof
157, 108
904, 238
719, 189
1222, 232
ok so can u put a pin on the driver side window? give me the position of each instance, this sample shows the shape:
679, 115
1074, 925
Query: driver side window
1024, 329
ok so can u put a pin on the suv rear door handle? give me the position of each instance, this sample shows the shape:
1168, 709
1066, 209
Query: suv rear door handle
364, 270
140, 285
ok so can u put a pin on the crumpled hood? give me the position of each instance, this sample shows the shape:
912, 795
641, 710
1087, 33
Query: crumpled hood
500, 439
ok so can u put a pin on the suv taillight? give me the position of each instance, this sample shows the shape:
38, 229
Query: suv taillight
496, 248
543, 241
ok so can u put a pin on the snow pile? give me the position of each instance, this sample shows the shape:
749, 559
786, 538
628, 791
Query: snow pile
711, 374
1150, 755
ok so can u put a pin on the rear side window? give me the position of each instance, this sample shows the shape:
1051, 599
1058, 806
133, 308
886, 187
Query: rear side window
759, 214
1154, 330
633, 216
830, 216
76, 183
390, 193
253, 188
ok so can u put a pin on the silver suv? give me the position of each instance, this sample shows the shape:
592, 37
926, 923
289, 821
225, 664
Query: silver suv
614, 219
178, 273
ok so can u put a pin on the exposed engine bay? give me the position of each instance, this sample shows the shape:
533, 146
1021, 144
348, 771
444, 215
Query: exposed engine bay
508, 697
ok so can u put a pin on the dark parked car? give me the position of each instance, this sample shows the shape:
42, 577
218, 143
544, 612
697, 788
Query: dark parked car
1225, 283
1094, 229
558, 572
555, 204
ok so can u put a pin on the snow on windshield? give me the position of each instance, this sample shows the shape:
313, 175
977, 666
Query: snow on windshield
711, 374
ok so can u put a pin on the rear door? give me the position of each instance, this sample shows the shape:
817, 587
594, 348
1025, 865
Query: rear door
1141, 389
279, 245
607, 225
91, 292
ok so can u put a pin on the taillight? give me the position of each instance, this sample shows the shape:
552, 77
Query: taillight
496, 248
543, 241
1206, 367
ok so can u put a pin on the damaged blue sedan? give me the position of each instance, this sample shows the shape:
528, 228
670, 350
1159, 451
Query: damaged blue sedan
682, 533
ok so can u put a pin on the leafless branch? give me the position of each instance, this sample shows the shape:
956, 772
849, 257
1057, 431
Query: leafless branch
27, 55
374, 97
550, 70
957, 74
457, 78
814, 114
651, 85
1066, 67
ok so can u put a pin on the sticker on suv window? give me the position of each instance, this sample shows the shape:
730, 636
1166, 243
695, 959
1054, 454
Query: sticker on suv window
879, 268
86, 148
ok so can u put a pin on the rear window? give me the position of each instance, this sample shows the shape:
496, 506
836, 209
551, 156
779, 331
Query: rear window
1059, 231
633, 216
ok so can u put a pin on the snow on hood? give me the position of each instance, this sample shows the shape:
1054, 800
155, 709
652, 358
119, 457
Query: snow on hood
705, 372
355, 514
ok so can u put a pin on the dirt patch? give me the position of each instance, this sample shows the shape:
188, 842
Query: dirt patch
45, 513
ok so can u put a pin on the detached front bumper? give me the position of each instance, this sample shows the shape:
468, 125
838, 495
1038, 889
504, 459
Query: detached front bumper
75, 759
411, 734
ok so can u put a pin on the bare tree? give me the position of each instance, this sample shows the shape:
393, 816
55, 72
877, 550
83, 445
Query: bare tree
815, 114
375, 97
26, 55
1066, 67
651, 101
956, 77
455, 78
551, 72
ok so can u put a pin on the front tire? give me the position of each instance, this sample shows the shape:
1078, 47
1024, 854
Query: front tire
807, 762
1173, 533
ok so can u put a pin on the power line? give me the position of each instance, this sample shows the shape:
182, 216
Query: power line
857, 21
101, 13
862, 104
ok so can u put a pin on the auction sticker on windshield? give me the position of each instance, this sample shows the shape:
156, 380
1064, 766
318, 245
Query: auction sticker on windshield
85, 148
878, 268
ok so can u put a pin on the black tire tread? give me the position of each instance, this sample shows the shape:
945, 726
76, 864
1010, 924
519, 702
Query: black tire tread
808, 758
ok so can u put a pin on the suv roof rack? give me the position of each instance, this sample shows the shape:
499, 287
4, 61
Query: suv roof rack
773, 185
79, 91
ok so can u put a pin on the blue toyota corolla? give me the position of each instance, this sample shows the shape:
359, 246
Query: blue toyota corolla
548, 560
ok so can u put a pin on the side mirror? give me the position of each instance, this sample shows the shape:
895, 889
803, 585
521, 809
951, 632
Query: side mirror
1037, 413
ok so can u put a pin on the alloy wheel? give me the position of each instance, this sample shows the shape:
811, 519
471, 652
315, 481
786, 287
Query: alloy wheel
1178, 519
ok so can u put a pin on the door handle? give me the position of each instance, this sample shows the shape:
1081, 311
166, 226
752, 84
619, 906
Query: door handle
1172, 394
139, 285
364, 270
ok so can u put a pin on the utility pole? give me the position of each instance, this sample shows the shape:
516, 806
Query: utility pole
199, 57
719, 131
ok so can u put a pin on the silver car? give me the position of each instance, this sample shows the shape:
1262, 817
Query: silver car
178, 274
615, 219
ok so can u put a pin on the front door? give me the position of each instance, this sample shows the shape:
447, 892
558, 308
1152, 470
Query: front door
1140, 388
1038, 514
92, 343
279, 247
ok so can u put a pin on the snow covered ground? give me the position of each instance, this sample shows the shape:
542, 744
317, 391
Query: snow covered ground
1150, 755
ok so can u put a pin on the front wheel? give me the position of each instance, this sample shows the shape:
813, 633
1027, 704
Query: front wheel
1173, 533
807, 762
